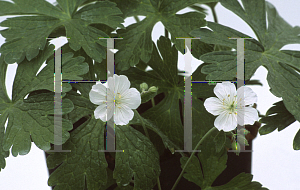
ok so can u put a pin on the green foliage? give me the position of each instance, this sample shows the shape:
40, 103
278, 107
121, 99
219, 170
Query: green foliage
139, 159
166, 114
277, 117
220, 140
31, 119
147, 96
139, 120
47, 18
266, 51
212, 165
243, 181
137, 41
84, 165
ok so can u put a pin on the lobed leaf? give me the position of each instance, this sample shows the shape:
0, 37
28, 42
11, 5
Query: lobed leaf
139, 159
48, 18
84, 165
137, 42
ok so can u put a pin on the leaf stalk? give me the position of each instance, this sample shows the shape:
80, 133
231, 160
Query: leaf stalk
190, 158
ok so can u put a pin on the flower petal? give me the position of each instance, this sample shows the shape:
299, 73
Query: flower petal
225, 91
123, 115
214, 106
98, 94
249, 95
250, 116
131, 98
100, 112
119, 83
226, 122
110, 110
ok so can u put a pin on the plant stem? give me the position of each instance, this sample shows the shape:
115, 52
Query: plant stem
147, 134
153, 102
136, 18
158, 184
214, 14
200, 142
166, 33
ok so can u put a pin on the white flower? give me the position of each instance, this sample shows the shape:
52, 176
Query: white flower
228, 106
118, 92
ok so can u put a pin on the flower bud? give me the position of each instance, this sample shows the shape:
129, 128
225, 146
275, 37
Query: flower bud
153, 89
144, 86
243, 131
241, 140
236, 146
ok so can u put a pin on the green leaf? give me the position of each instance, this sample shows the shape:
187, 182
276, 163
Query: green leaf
243, 181
199, 8
253, 82
20, 7
139, 120
139, 159
32, 118
19, 43
3, 154
135, 45
193, 170
110, 179
84, 165
266, 52
220, 140
27, 81
202, 120
296, 141
137, 42
147, 96
82, 104
212, 163
94, 67
4, 101
201, 90
166, 115
276, 117
124, 188
223, 63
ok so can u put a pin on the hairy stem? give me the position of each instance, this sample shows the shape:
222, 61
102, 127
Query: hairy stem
147, 134
166, 33
153, 102
136, 18
183, 169
214, 14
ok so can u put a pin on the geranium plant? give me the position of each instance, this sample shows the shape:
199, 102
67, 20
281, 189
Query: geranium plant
147, 105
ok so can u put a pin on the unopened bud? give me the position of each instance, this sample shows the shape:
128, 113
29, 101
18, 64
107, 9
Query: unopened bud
243, 131
153, 89
242, 140
236, 146
144, 86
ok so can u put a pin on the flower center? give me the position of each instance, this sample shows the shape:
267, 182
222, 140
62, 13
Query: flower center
232, 107
118, 99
